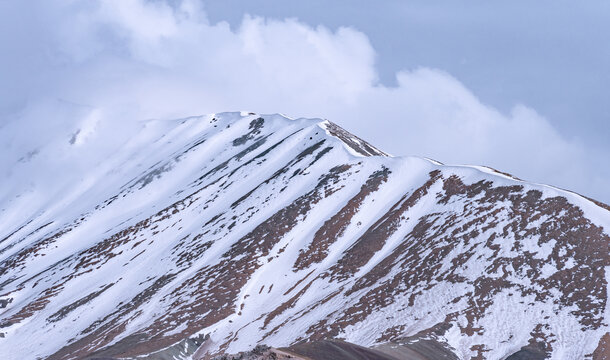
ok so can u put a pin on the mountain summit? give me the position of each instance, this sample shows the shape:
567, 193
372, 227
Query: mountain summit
211, 235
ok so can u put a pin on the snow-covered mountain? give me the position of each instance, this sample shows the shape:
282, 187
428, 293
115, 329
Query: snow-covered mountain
213, 234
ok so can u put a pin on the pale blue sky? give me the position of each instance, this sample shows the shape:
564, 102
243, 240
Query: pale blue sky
517, 85
553, 56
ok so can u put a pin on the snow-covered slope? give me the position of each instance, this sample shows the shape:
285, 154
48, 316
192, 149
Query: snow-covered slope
262, 229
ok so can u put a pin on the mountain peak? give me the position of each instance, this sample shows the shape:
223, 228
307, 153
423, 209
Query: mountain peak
214, 234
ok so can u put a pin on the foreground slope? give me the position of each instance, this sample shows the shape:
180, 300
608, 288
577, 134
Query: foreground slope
254, 229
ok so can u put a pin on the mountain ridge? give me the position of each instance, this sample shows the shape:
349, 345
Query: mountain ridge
203, 216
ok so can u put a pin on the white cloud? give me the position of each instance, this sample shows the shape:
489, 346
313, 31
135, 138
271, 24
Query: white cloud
128, 60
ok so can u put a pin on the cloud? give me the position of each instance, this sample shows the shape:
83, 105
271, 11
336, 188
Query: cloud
99, 65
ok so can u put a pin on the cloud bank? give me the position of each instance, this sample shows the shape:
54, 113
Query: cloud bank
99, 66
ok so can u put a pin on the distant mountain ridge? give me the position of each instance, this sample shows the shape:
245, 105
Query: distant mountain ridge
214, 234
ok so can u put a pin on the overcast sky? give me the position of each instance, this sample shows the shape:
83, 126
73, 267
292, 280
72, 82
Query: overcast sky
519, 86
551, 55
